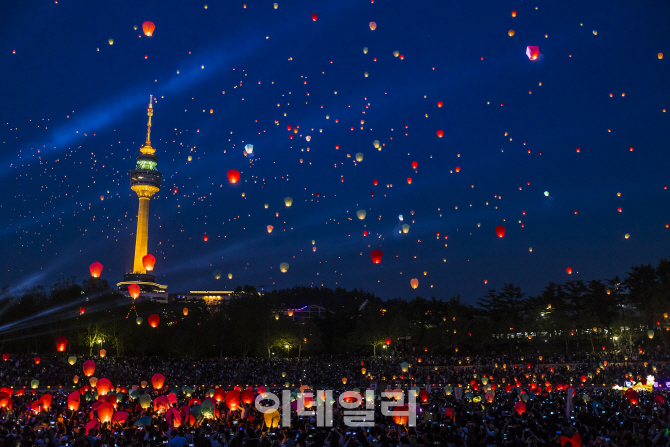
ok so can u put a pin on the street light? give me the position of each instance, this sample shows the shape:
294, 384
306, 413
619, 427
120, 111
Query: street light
288, 349
100, 342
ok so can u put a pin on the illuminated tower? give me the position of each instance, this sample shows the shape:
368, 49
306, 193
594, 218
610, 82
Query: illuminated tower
145, 180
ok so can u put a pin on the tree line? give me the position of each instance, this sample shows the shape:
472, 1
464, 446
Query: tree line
626, 315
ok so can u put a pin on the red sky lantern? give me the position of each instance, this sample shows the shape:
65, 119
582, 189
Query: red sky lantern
532, 52
206, 238
157, 381
440, 133
458, 169
409, 180
376, 256
233, 175
569, 271
103, 386
513, 13
314, 17
89, 368
440, 103
37, 360
148, 28
415, 165
154, 320
95, 269
148, 261
219, 394
375, 182
289, 127
365, 232
233, 400
500, 231
82, 310
134, 291
61, 343
5, 357
247, 396
387, 341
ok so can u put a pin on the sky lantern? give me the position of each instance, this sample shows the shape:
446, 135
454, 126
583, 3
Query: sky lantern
376, 256
650, 334
134, 291
5, 357
61, 343
157, 381
37, 360
400, 415
569, 271
270, 228
440, 133
89, 368
359, 157
283, 267
405, 228
105, 411
288, 201
154, 320
103, 353
532, 52
415, 165
511, 33
513, 13
82, 310
414, 282
233, 175
375, 182
440, 103
110, 41
72, 360
104, 386
73, 400
95, 269
409, 180
148, 261
457, 169
148, 28
233, 400
500, 231
206, 238
373, 26
361, 214
247, 396
314, 17
185, 311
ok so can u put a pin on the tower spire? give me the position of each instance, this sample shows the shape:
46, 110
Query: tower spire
147, 149
150, 112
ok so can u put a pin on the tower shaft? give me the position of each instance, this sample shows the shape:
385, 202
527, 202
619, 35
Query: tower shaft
142, 236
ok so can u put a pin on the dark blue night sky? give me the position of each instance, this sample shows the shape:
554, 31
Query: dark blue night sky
74, 117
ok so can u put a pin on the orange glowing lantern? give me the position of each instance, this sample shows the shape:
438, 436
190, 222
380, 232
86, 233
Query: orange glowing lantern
148, 28
89, 368
95, 269
157, 381
148, 261
61, 343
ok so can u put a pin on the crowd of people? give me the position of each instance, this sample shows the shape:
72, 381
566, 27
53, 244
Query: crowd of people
588, 400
